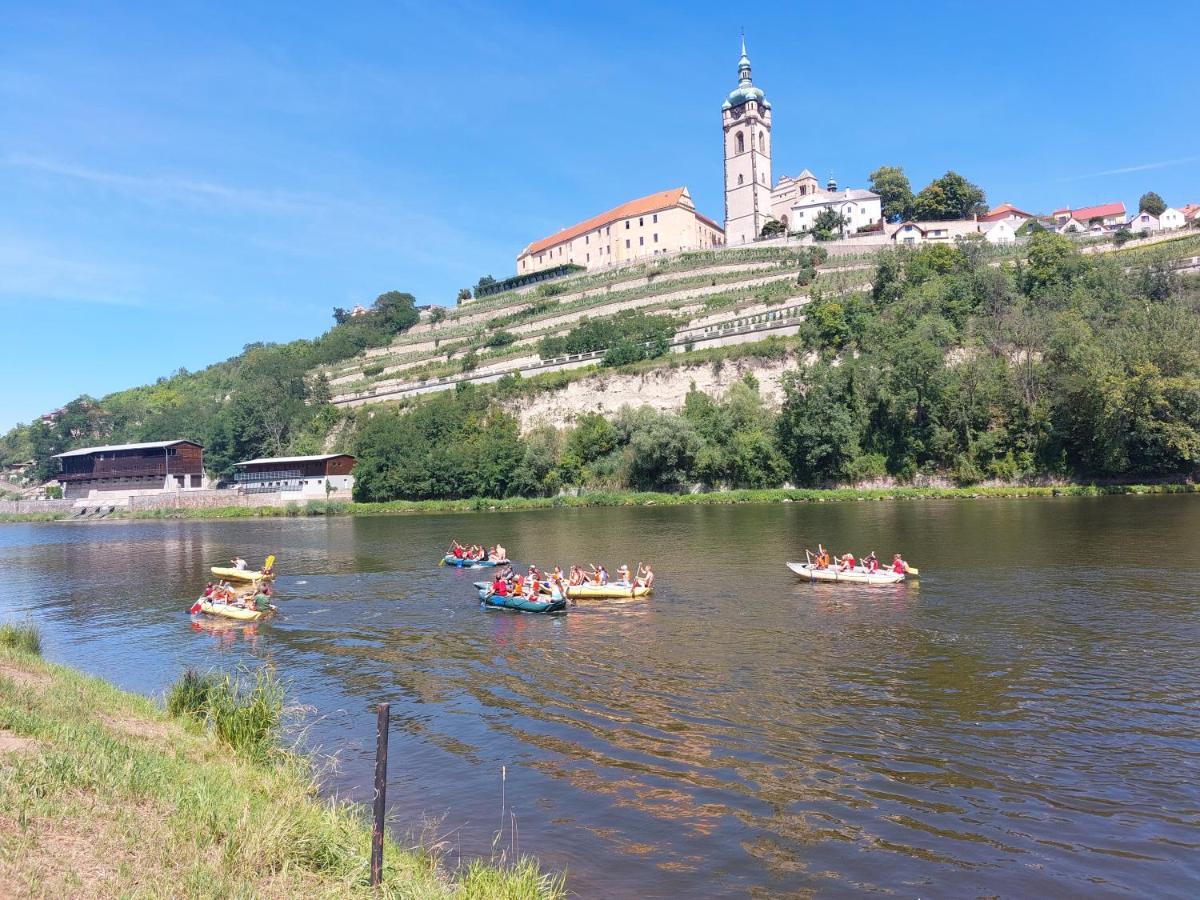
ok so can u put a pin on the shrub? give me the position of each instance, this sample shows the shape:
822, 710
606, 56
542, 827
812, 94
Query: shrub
501, 339
188, 697
372, 371
243, 716
24, 637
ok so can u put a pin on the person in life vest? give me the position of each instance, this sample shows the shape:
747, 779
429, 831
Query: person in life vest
899, 566
623, 574
457, 549
238, 563
821, 561
871, 562
500, 587
848, 562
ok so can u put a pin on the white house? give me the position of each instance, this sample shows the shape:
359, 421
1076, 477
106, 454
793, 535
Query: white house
1006, 212
911, 233
1143, 221
1171, 218
859, 208
1191, 213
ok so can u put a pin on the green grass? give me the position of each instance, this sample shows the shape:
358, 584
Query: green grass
102, 794
24, 637
709, 498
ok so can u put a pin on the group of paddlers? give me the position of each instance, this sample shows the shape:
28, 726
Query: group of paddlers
847, 562
476, 553
224, 592
555, 584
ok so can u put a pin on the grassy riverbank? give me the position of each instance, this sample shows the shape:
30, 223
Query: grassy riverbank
634, 498
102, 794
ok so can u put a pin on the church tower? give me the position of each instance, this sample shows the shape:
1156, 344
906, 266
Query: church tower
746, 118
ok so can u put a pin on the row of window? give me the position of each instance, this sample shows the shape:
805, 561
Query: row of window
587, 238
761, 177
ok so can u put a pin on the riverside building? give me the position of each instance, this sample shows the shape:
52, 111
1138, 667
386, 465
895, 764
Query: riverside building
114, 473
305, 476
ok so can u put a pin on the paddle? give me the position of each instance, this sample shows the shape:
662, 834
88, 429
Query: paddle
911, 570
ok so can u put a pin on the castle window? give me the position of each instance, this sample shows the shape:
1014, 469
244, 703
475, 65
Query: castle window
762, 143
740, 179
741, 143
626, 224
626, 243
656, 218
656, 237
641, 222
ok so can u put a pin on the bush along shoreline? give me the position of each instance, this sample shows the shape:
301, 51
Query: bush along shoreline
648, 499
103, 792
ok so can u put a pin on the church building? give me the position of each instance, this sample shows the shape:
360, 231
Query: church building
750, 200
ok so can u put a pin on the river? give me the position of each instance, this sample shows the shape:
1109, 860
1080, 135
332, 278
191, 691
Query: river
1022, 721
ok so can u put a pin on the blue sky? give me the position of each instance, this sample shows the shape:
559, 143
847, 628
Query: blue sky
177, 180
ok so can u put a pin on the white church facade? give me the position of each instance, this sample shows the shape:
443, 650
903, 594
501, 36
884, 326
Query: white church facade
750, 199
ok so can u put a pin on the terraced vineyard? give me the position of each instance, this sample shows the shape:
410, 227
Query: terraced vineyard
718, 298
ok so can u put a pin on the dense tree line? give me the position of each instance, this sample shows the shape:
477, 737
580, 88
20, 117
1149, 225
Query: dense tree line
263, 402
1061, 365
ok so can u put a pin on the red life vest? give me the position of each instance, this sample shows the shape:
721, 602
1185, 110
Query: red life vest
848, 560
898, 567
458, 552
500, 587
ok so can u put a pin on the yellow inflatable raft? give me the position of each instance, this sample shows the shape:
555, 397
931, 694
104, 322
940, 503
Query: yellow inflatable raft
610, 591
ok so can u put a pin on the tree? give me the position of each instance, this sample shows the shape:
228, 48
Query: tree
949, 197
895, 192
485, 281
827, 225
1152, 203
464, 294
1030, 226
818, 428
772, 228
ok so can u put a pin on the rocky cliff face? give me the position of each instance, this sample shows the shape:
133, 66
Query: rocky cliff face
664, 389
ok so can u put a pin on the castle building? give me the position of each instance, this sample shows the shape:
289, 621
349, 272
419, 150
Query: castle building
750, 200
666, 222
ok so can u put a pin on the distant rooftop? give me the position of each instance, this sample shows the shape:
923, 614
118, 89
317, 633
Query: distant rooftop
113, 448
290, 459
643, 206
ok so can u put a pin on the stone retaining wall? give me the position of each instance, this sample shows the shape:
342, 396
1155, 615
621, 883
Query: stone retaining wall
25, 507
216, 499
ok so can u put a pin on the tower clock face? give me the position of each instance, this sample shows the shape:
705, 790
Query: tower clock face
737, 111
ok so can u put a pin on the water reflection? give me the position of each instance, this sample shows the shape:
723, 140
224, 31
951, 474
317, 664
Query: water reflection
1009, 724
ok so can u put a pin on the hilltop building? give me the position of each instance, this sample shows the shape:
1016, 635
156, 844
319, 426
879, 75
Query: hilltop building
750, 200
308, 476
1006, 212
114, 473
666, 222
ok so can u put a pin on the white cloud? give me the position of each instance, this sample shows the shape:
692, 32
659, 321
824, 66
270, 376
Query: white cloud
1140, 167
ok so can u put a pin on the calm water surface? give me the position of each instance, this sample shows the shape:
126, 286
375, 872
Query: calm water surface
1022, 722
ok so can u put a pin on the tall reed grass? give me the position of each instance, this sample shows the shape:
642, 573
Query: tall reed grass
244, 714
24, 637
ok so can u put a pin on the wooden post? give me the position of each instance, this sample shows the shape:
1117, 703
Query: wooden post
381, 755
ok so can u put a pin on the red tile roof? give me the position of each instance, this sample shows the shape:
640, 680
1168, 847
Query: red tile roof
1003, 211
643, 206
1190, 210
1103, 211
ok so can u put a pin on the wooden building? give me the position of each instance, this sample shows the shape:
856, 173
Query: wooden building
115, 473
308, 476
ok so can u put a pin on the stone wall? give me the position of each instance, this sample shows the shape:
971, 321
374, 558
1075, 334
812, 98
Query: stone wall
215, 499
25, 507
